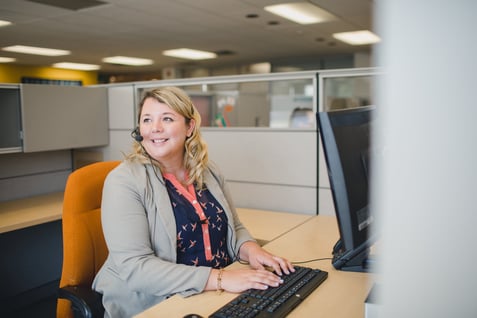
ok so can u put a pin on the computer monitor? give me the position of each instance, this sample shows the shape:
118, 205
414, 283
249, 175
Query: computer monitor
345, 135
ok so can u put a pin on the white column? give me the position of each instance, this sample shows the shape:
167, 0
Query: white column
426, 173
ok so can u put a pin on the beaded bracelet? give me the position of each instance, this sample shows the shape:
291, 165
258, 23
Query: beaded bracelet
219, 281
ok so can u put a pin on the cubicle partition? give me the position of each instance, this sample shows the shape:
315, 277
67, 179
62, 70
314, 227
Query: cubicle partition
260, 129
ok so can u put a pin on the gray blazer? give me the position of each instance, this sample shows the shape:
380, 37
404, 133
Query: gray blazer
140, 232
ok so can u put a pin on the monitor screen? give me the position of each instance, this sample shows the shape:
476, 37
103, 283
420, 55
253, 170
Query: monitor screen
345, 135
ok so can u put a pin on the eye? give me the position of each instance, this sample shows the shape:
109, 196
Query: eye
146, 120
168, 119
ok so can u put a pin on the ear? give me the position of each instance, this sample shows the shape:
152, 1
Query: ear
190, 130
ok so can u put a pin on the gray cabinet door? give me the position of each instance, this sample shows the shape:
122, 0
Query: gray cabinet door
63, 117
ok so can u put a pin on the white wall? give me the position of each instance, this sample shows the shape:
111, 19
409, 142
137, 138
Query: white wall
426, 174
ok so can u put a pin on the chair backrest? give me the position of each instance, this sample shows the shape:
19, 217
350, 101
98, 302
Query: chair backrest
84, 247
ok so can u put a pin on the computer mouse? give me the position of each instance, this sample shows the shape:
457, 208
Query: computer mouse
193, 316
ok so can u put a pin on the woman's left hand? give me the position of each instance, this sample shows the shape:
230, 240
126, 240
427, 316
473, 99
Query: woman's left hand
259, 258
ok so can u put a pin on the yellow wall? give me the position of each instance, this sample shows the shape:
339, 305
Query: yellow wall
14, 73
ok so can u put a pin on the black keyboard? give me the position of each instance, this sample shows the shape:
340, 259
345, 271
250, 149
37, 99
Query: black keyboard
274, 302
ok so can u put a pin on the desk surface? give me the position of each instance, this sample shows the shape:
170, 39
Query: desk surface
18, 214
342, 295
266, 226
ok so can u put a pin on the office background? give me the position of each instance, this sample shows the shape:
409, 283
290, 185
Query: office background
248, 40
427, 176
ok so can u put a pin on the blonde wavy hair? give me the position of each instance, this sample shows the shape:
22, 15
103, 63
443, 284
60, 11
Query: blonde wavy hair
196, 157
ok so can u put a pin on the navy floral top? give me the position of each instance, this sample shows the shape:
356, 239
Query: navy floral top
201, 223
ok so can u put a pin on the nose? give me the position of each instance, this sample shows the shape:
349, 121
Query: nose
157, 127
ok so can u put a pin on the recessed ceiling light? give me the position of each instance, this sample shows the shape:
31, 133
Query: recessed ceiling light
190, 54
251, 16
76, 66
71, 4
357, 37
301, 12
4, 23
35, 50
125, 60
7, 59
224, 52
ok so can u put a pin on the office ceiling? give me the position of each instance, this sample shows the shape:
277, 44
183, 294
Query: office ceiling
94, 29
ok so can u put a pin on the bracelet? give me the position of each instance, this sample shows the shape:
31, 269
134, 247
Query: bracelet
219, 281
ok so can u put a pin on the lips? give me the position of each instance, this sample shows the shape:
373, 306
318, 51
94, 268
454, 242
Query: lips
161, 140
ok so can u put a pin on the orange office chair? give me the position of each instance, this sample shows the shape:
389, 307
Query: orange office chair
84, 247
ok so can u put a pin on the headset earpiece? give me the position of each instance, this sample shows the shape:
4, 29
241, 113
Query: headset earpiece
136, 135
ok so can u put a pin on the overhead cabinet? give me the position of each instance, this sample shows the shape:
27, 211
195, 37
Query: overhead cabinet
63, 117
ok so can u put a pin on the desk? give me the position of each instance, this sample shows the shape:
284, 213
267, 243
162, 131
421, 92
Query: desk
258, 223
21, 213
31, 248
342, 295
18, 214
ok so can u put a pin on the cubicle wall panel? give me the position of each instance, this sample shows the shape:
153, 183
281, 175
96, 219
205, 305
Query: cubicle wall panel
323, 179
19, 164
25, 175
325, 202
121, 107
31, 185
267, 156
121, 144
293, 199
282, 198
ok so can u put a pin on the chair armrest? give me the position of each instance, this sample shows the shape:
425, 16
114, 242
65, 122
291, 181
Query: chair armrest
84, 301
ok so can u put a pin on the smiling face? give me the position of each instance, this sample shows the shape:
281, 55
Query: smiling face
164, 132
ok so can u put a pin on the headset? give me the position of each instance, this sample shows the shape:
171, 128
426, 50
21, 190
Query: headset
136, 135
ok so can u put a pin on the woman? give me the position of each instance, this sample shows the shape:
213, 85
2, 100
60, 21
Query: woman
168, 218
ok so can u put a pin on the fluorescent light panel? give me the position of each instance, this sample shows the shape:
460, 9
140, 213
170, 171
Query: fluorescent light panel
357, 37
76, 66
4, 23
6, 59
35, 50
190, 54
125, 60
301, 12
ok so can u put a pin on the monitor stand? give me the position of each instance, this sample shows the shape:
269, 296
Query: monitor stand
352, 262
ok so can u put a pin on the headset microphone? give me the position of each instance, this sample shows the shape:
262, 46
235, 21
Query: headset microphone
136, 135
